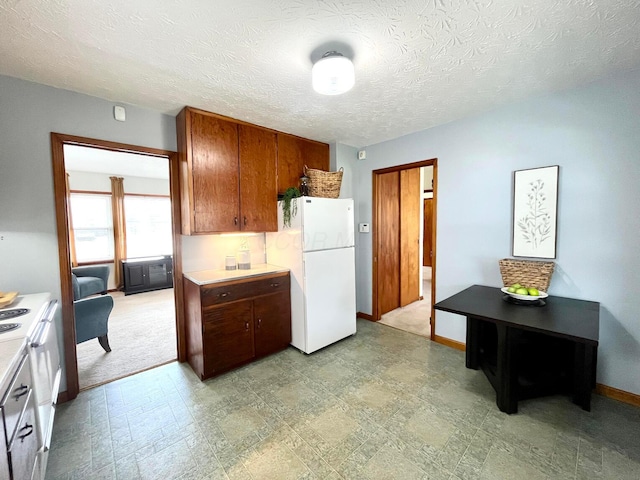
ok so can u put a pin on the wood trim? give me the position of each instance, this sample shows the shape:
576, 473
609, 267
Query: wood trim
375, 222
434, 245
90, 192
617, 394
95, 192
365, 316
406, 166
66, 291
153, 195
96, 262
58, 140
448, 342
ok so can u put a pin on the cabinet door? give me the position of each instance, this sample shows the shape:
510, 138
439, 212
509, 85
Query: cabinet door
23, 448
272, 321
258, 193
214, 152
134, 277
228, 336
293, 154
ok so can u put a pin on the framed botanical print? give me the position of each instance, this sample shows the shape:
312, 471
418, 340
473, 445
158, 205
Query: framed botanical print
535, 212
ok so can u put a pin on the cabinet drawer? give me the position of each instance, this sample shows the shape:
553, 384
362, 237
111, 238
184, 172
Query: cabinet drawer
23, 448
15, 397
239, 291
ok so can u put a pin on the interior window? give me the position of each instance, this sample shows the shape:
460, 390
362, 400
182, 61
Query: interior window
92, 226
148, 221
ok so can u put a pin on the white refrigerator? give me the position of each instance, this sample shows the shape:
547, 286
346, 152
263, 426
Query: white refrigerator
318, 248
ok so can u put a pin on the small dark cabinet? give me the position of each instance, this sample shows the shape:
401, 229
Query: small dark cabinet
232, 323
146, 274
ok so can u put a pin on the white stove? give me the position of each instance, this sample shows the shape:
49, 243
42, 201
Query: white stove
30, 318
34, 304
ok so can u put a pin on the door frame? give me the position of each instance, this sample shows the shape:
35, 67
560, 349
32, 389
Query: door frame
375, 225
58, 141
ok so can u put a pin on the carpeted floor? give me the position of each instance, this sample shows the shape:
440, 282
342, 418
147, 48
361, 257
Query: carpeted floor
142, 334
414, 318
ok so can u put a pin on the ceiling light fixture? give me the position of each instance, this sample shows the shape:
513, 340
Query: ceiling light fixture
333, 74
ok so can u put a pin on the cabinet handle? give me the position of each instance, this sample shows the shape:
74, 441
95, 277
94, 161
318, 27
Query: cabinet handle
225, 294
245, 220
26, 427
23, 389
246, 325
259, 322
275, 284
235, 220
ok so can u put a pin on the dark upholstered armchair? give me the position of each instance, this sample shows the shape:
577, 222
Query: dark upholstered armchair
89, 280
92, 318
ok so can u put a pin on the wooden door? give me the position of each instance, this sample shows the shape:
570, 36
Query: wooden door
214, 150
427, 223
293, 154
258, 192
388, 239
228, 336
410, 223
272, 323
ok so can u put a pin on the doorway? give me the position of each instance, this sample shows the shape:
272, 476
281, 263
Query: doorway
403, 279
59, 142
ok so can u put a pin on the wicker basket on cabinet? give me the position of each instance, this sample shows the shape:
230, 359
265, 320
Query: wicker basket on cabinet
529, 273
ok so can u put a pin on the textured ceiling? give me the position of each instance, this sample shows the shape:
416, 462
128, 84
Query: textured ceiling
419, 63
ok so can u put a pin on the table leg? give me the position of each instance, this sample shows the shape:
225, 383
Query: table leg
473, 343
584, 366
507, 371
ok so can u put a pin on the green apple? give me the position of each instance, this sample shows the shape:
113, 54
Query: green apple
516, 286
522, 291
534, 292
511, 289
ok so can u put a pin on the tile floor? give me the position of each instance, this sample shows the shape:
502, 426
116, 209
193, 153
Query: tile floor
383, 404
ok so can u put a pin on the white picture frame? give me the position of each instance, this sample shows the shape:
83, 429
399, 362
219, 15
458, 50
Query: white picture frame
535, 212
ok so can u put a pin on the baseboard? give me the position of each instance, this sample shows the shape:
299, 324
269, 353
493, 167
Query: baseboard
617, 394
366, 316
450, 343
62, 397
604, 390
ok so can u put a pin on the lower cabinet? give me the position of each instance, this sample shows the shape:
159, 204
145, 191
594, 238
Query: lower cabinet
235, 322
17, 419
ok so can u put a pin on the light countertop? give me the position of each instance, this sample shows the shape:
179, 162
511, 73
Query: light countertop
205, 277
12, 342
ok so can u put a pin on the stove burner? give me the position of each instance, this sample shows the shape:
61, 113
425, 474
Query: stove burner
7, 327
13, 313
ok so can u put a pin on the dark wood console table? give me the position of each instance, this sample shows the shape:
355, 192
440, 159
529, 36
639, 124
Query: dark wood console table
147, 273
529, 351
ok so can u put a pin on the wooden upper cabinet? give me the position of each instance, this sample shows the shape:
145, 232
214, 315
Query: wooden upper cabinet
227, 174
293, 154
258, 194
209, 183
231, 172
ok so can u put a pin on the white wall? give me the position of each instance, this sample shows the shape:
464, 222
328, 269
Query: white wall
29, 112
207, 252
593, 133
